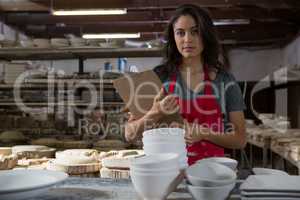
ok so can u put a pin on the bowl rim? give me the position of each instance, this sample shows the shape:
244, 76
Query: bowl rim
210, 188
220, 160
229, 170
158, 170
171, 173
169, 132
154, 159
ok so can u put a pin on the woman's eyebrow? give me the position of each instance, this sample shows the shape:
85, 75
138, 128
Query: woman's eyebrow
193, 27
179, 29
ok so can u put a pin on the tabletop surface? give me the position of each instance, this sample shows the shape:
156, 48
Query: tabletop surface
76, 188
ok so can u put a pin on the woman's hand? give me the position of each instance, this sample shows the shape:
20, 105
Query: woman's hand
164, 105
194, 132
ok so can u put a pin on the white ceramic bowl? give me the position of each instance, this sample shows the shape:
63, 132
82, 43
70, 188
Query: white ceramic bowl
165, 133
182, 143
154, 170
182, 155
210, 174
153, 186
156, 161
231, 163
266, 171
213, 193
164, 147
166, 139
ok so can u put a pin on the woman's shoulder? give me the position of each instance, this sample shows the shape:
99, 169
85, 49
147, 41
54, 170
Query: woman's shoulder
225, 75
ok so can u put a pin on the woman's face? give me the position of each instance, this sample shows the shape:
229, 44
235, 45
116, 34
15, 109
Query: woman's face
187, 37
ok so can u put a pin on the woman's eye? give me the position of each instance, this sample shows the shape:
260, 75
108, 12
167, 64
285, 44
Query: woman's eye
180, 33
195, 32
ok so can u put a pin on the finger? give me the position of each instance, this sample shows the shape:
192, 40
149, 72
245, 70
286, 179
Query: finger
171, 97
189, 141
171, 109
174, 109
174, 125
168, 102
173, 104
172, 101
169, 105
189, 134
160, 95
187, 137
177, 108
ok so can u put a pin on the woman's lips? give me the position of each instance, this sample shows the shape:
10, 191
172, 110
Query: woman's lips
188, 48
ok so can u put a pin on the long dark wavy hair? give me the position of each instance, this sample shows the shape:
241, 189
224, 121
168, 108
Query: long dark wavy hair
212, 48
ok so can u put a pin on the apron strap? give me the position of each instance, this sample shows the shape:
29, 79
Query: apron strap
207, 83
172, 83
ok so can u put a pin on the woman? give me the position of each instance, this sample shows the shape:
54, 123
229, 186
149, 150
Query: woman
197, 84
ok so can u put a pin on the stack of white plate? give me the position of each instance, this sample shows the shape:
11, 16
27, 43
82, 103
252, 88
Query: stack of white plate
78, 42
59, 42
210, 180
41, 43
271, 187
13, 71
154, 176
166, 140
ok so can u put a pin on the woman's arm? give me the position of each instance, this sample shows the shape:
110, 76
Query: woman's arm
235, 139
162, 106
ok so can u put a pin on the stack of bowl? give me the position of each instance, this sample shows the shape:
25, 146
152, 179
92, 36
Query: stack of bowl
166, 140
210, 180
154, 176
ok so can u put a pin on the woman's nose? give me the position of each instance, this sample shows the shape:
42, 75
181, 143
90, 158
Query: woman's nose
188, 37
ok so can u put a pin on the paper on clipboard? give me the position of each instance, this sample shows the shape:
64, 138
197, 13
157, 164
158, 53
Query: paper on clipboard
138, 92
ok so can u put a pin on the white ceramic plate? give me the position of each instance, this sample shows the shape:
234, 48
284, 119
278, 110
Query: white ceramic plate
270, 198
25, 184
274, 183
267, 171
270, 194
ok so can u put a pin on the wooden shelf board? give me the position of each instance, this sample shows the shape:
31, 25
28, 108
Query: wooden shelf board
75, 53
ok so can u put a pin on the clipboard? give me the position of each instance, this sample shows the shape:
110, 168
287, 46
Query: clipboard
138, 92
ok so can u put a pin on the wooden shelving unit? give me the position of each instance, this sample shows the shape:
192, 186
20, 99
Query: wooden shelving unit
105, 83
